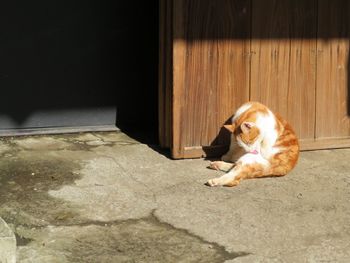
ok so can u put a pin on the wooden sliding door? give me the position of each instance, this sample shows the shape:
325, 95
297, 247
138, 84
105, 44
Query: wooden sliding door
290, 55
283, 65
211, 70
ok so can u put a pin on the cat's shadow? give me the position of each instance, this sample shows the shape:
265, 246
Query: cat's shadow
220, 145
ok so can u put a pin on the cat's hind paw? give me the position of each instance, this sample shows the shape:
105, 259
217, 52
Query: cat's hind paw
212, 182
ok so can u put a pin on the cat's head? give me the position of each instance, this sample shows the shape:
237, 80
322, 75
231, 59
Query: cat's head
247, 135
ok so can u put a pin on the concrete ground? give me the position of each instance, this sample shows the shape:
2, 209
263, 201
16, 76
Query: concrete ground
104, 197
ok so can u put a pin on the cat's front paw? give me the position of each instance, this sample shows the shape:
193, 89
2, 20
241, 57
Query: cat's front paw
214, 165
221, 166
213, 182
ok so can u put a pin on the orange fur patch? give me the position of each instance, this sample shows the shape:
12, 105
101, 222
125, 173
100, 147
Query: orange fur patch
251, 114
229, 127
284, 161
250, 136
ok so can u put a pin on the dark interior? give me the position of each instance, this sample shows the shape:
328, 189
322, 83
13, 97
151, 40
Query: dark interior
76, 63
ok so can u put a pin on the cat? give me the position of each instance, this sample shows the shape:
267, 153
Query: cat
263, 144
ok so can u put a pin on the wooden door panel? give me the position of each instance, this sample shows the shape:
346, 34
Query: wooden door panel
283, 65
211, 69
290, 55
332, 107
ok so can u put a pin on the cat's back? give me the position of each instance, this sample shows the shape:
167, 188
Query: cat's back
287, 143
287, 136
249, 111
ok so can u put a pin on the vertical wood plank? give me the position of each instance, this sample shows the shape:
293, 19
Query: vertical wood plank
302, 69
179, 58
211, 68
233, 62
200, 92
168, 73
332, 109
283, 66
270, 53
199, 71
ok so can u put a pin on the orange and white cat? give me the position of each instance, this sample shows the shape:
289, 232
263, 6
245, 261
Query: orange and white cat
262, 144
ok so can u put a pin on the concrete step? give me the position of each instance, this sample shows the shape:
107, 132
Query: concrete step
7, 243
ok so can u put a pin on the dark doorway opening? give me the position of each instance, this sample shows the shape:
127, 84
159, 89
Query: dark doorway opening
137, 103
79, 64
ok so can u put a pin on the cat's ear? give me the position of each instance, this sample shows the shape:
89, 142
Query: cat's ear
246, 126
230, 127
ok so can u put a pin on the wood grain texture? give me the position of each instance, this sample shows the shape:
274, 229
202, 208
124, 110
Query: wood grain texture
291, 55
270, 54
165, 73
179, 58
233, 66
211, 69
332, 109
283, 66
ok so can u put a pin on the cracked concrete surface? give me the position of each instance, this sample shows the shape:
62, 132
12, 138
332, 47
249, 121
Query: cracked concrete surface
104, 197
7, 244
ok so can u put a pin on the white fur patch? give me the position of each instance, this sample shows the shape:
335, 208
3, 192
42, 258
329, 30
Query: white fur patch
251, 158
267, 127
241, 110
246, 159
268, 133
251, 147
